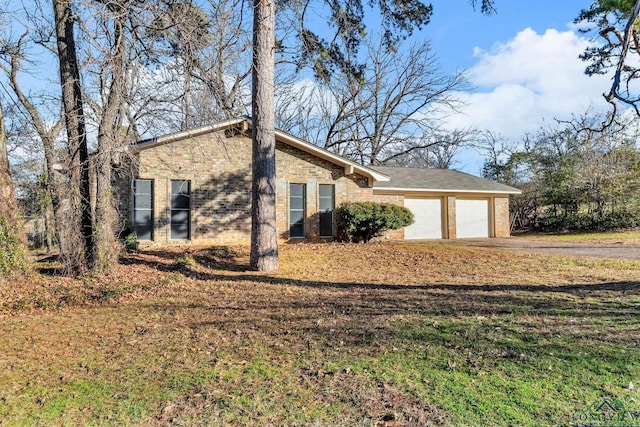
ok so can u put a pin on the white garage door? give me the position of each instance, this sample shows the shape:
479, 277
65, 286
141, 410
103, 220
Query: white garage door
427, 214
472, 218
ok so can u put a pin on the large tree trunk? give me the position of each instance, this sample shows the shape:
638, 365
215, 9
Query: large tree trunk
109, 140
79, 194
264, 239
8, 206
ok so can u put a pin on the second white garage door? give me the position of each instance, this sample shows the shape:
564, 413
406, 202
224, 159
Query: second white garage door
472, 218
427, 214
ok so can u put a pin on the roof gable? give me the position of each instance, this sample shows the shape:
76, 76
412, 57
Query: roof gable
245, 124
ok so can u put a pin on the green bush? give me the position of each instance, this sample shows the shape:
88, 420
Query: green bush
362, 221
12, 251
587, 222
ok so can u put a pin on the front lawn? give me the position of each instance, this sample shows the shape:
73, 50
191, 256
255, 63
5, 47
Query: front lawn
363, 334
631, 237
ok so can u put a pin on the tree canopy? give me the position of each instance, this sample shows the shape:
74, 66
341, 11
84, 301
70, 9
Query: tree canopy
616, 23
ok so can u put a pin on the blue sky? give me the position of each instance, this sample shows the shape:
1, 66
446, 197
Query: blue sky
522, 64
456, 29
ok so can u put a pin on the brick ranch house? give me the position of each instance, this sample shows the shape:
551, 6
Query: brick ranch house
195, 186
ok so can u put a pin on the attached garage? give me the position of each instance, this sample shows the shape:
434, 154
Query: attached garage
427, 213
447, 204
472, 218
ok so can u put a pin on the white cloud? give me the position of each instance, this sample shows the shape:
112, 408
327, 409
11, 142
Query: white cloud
527, 79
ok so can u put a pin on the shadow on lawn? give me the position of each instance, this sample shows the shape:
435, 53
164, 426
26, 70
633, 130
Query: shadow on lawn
231, 266
576, 301
49, 265
222, 258
468, 328
367, 317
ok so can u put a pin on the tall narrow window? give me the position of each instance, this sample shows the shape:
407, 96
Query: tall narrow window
326, 200
296, 210
143, 208
180, 209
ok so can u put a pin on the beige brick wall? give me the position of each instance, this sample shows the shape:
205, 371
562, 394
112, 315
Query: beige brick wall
218, 165
502, 225
450, 217
294, 166
219, 168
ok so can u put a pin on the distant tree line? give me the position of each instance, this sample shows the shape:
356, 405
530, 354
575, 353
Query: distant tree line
571, 177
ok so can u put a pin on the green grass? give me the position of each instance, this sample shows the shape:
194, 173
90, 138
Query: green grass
427, 343
625, 237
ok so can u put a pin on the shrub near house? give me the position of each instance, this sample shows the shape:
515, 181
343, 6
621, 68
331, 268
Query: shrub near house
365, 220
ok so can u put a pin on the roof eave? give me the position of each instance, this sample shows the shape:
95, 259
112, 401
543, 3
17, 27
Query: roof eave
161, 140
446, 190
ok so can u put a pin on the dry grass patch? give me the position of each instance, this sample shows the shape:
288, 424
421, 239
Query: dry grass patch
626, 237
417, 334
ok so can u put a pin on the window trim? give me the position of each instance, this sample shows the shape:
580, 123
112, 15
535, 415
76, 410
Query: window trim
172, 209
303, 210
134, 193
333, 208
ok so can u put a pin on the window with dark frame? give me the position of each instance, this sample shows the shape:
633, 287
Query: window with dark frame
143, 208
180, 210
327, 203
296, 210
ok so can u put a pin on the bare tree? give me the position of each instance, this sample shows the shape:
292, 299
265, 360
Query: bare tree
620, 90
224, 67
12, 250
386, 115
8, 207
205, 52
110, 135
438, 150
78, 256
13, 54
184, 27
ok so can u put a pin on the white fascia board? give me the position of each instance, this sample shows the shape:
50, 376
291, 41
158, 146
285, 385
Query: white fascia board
153, 142
333, 158
441, 190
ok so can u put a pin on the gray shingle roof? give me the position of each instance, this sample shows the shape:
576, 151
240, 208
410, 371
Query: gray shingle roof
417, 179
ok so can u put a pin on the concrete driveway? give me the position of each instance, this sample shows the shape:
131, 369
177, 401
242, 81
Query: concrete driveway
610, 251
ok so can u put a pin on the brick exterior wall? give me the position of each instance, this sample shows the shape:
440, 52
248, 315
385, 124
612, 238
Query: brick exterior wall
502, 223
450, 217
218, 165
